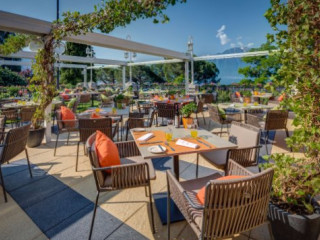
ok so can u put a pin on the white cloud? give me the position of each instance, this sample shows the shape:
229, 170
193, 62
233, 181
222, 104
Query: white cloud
222, 35
233, 45
250, 44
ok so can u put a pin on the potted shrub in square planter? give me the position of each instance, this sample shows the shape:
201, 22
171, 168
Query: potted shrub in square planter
186, 112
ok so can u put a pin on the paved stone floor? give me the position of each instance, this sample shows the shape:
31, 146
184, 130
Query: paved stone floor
129, 206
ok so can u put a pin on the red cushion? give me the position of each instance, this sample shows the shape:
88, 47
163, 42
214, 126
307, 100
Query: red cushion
94, 115
65, 96
202, 192
281, 97
107, 151
238, 94
67, 114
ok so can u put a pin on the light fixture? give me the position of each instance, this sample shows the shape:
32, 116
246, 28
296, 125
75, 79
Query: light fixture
59, 48
36, 44
126, 55
190, 44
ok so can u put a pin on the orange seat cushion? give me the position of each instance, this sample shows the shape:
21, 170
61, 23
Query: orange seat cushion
94, 115
202, 192
238, 94
107, 151
65, 96
281, 97
67, 114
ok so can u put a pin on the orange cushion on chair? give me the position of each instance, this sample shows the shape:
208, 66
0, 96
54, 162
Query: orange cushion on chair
67, 114
281, 97
238, 94
107, 151
65, 96
202, 192
94, 115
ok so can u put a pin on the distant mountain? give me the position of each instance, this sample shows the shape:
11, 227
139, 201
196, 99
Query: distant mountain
229, 67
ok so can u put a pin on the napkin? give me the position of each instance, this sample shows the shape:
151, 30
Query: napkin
186, 144
145, 137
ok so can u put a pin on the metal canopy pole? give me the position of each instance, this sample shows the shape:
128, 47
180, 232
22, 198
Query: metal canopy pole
123, 76
186, 75
85, 82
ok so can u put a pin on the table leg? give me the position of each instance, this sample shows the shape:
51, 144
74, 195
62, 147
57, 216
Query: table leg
176, 166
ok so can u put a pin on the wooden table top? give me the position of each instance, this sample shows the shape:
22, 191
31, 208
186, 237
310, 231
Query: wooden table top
216, 142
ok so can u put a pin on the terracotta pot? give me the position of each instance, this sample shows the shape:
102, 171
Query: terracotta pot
187, 121
247, 99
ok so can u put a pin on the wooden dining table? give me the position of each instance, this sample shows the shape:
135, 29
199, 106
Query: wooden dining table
206, 141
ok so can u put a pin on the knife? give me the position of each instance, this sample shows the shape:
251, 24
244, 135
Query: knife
143, 143
161, 148
204, 143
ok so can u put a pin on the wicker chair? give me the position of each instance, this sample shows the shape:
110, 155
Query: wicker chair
275, 120
247, 138
234, 98
231, 206
12, 115
26, 114
133, 172
14, 143
2, 127
166, 110
75, 105
137, 120
89, 126
223, 120
144, 108
207, 98
64, 128
200, 110
84, 98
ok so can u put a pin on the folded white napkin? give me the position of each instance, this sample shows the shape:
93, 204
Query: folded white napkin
145, 137
186, 144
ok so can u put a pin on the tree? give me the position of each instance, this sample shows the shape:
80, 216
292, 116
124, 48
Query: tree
4, 35
261, 68
74, 75
206, 72
9, 78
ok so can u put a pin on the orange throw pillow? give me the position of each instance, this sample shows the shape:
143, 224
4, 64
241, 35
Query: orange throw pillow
281, 98
202, 192
107, 151
65, 96
238, 94
94, 115
67, 114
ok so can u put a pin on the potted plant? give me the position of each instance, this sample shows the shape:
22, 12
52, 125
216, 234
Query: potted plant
171, 94
36, 131
246, 96
186, 112
293, 210
119, 100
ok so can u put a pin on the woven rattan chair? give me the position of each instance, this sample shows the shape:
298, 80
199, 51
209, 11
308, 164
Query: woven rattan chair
222, 120
84, 98
26, 114
166, 110
144, 108
207, 98
12, 115
2, 127
231, 206
63, 127
89, 126
136, 120
133, 172
234, 98
247, 138
200, 110
14, 143
275, 120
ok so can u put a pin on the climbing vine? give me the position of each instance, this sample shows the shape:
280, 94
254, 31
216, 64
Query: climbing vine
106, 16
297, 34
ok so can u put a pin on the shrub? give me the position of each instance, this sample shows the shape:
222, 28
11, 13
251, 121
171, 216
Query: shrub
8, 78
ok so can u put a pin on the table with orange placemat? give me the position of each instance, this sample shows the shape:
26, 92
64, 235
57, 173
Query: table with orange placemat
206, 141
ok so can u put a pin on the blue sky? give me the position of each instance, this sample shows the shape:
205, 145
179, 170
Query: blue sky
216, 25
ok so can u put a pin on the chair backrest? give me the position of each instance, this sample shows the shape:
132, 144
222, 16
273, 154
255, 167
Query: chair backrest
135, 120
207, 98
245, 136
2, 126
14, 142
144, 108
89, 126
75, 105
26, 113
214, 113
235, 206
10, 113
99, 176
166, 110
200, 107
84, 98
276, 119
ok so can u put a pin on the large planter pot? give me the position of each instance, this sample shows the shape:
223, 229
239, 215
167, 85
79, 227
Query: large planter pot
287, 226
187, 121
35, 137
247, 99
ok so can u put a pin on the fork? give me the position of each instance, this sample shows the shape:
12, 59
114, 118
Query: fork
166, 143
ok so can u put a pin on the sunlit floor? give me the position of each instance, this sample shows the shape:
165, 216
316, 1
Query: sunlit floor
128, 207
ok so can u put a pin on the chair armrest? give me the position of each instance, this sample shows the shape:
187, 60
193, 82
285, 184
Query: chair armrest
113, 168
234, 168
128, 149
193, 205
